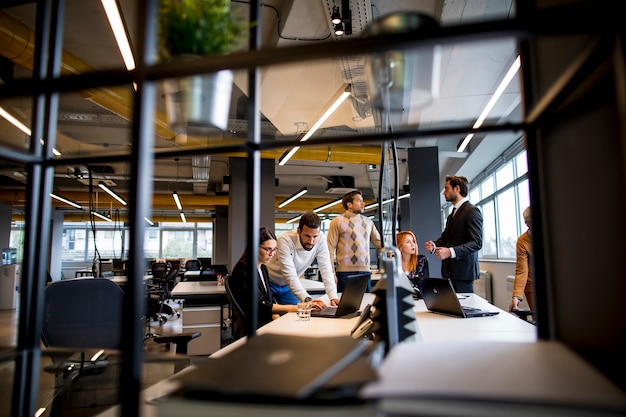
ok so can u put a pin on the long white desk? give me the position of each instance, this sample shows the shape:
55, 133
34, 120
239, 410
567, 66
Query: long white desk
491, 349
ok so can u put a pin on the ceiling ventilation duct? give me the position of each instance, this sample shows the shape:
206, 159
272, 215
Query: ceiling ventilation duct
339, 184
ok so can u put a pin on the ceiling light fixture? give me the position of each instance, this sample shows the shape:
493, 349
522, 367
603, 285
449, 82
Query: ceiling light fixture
373, 206
119, 31
182, 217
335, 17
295, 219
21, 126
177, 200
342, 21
66, 201
302, 191
498, 93
102, 216
340, 96
150, 222
111, 193
325, 206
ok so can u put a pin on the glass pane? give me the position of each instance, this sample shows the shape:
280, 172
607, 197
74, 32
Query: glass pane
487, 187
474, 195
523, 193
504, 175
151, 243
177, 244
489, 229
204, 244
521, 163
507, 223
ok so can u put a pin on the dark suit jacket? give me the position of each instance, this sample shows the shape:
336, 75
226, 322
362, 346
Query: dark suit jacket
464, 233
241, 287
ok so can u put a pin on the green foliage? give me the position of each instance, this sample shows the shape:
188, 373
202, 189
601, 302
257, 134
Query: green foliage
198, 27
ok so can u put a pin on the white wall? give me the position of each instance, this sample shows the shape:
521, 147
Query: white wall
501, 286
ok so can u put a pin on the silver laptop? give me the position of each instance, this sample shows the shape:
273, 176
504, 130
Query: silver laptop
440, 297
350, 301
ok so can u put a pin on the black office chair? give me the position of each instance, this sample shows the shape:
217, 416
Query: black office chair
159, 270
238, 321
83, 314
192, 265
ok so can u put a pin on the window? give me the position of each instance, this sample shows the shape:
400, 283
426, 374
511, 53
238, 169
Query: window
502, 193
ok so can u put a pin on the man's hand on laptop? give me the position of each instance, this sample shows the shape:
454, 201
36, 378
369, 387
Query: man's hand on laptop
334, 301
318, 304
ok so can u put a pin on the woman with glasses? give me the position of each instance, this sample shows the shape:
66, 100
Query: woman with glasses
241, 284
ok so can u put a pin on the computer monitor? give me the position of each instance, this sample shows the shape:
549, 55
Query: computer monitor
205, 261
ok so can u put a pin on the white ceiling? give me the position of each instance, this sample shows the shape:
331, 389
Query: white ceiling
292, 96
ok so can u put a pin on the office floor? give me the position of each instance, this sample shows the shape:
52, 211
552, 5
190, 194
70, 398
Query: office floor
92, 394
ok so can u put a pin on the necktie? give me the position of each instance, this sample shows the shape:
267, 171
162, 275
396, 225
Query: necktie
453, 211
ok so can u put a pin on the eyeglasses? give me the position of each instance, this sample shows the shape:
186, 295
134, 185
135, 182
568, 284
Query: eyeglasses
269, 251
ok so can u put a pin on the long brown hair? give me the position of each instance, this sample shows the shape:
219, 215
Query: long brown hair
400, 238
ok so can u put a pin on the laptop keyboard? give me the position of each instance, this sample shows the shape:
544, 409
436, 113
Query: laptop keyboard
327, 310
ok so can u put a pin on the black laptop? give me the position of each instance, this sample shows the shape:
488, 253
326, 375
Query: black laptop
440, 297
350, 299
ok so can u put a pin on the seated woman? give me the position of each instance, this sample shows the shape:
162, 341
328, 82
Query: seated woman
241, 284
414, 265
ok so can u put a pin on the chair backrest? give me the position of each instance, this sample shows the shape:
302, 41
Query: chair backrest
159, 270
83, 313
239, 320
192, 265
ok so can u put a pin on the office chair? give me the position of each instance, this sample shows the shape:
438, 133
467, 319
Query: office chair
192, 265
163, 289
238, 321
159, 270
83, 314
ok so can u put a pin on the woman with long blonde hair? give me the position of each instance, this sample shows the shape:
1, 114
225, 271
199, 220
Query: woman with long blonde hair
414, 265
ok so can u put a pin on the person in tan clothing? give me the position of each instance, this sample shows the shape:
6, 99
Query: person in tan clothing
523, 284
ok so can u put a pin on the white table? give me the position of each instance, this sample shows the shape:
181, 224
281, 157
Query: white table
503, 327
434, 328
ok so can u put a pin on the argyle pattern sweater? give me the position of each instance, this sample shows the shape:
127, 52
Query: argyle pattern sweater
349, 237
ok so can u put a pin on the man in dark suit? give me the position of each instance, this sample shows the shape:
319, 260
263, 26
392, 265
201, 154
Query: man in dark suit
462, 238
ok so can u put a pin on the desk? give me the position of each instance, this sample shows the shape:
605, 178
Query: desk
202, 311
499, 345
503, 327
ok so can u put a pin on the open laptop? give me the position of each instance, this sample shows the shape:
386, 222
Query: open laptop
350, 299
440, 297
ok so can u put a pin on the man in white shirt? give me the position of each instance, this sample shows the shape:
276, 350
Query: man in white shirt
297, 249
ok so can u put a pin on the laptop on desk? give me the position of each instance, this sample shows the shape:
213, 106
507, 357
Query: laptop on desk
350, 301
440, 297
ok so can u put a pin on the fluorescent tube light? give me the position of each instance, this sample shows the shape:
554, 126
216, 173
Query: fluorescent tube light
177, 200
295, 219
297, 195
102, 216
339, 97
492, 102
150, 222
373, 206
111, 193
182, 217
325, 206
21, 126
119, 31
66, 201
